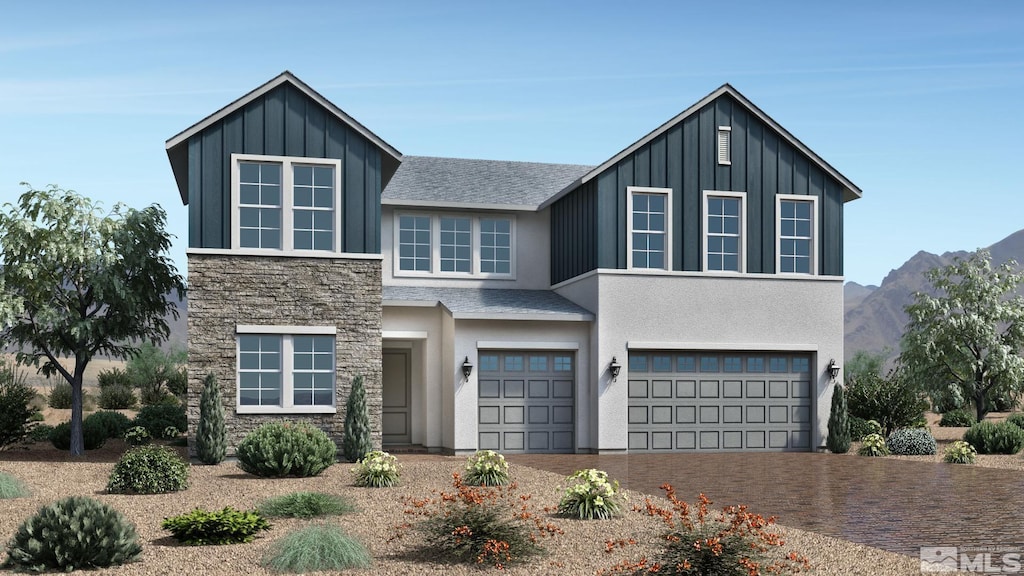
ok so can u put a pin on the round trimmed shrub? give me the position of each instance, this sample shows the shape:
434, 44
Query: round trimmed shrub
958, 418
911, 442
94, 435
284, 449
59, 397
76, 532
148, 470
113, 423
1017, 419
155, 418
989, 437
42, 433
117, 397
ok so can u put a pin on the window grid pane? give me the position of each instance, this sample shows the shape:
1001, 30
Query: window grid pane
456, 244
313, 373
313, 198
649, 230
259, 370
795, 236
563, 363
495, 246
259, 205
414, 243
724, 233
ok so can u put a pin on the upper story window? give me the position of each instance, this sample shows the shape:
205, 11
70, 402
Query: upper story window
797, 232
649, 235
724, 227
454, 246
281, 203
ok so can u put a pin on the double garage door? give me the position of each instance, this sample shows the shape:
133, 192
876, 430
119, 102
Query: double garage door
526, 401
708, 401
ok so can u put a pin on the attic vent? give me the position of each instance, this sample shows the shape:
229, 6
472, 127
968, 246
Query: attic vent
724, 145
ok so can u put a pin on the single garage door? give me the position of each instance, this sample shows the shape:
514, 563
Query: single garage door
707, 401
526, 401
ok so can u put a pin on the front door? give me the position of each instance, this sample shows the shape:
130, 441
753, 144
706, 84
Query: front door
395, 421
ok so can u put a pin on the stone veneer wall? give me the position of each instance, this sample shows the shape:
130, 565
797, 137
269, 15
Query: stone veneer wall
227, 290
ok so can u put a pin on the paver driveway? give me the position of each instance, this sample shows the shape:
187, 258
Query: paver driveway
895, 505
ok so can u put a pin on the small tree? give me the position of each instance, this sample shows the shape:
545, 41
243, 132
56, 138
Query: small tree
211, 436
838, 441
76, 283
15, 411
356, 443
969, 333
156, 372
890, 400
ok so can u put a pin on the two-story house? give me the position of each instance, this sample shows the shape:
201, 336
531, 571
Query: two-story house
685, 294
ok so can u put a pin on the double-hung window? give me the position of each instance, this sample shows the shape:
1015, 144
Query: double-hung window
649, 235
283, 203
286, 369
724, 227
796, 228
454, 246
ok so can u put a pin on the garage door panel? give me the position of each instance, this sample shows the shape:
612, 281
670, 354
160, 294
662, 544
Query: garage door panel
661, 389
732, 414
562, 389
709, 414
778, 414
686, 440
513, 388
538, 415
490, 441
709, 440
490, 415
561, 414
778, 389
709, 388
539, 389
732, 389
661, 440
562, 441
778, 439
490, 388
801, 389
638, 441
755, 414
638, 415
755, 388
686, 414
732, 440
638, 389
539, 441
513, 415
686, 388
802, 414
661, 415
755, 439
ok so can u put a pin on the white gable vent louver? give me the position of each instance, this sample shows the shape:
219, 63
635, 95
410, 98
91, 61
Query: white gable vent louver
724, 145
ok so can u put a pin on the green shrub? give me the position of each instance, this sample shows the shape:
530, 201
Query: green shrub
305, 505
356, 443
94, 435
277, 450
75, 532
995, 438
113, 377
37, 416
1001, 401
960, 452
376, 470
11, 487
958, 417
945, 399
486, 468
148, 470
60, 396
316, 548
155, 418
211, 434
859, 428
890, 400
170, 433
114, 424
227, 526
137, 436
911, 442
1017, 419
589, 495
42, 433
16, 412
158, 374
838, 441
873, 445
117, 397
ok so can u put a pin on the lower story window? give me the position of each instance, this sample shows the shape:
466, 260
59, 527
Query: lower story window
285, 372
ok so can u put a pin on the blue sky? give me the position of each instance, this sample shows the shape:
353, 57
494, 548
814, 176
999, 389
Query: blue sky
919, 103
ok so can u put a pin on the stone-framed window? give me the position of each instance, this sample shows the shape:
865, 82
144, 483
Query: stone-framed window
285, 369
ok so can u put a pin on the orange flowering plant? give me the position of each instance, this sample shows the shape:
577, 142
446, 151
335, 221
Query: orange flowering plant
699, 540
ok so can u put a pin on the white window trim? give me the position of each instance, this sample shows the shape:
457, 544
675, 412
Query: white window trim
704, 229
287, 369
435, 246
727, 130
815, 229
667, 192
287, 207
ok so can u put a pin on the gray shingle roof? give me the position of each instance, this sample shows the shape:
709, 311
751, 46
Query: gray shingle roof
429, 181
490, 302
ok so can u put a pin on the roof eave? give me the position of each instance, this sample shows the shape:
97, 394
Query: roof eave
458, 205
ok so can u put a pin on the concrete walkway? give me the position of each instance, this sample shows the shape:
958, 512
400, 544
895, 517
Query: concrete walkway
895, 505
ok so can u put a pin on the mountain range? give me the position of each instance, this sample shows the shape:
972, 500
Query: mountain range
874, 315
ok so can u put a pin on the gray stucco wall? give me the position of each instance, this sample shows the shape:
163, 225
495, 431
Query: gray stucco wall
229, 290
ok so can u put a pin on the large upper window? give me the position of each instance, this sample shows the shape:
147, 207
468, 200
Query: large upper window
285, 203
279, 372
724, 224
797, 230
454, 246
649, 235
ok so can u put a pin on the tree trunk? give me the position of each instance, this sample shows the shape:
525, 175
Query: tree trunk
980, 407
77, 441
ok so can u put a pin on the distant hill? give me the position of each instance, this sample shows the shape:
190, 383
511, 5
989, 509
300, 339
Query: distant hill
874, 318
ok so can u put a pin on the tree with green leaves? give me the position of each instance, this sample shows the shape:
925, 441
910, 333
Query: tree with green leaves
970, 332
211, 434
356, 443
76, 283
864, 363
838, 441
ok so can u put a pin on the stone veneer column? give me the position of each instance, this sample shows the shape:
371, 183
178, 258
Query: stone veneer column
227, 290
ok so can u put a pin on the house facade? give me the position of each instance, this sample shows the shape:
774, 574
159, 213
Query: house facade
685, 294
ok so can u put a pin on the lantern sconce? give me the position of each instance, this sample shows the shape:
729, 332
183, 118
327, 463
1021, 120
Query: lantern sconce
615, 368
833, 369
467, 368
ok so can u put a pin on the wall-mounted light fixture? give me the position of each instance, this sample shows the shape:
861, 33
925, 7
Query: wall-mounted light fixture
615, 368
833, 369
467, 368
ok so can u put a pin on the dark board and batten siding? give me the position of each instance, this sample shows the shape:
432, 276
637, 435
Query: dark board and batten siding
282, 122
685, 159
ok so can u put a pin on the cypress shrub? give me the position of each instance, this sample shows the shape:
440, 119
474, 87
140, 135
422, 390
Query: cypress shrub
838, 441
356, 443
211, 436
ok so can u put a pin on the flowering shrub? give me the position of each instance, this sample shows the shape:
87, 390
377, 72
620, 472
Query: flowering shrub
873, 445
960, 452
136, 436
911, 442
377, 469
590, 495
699, 541
479, 524
486, 468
